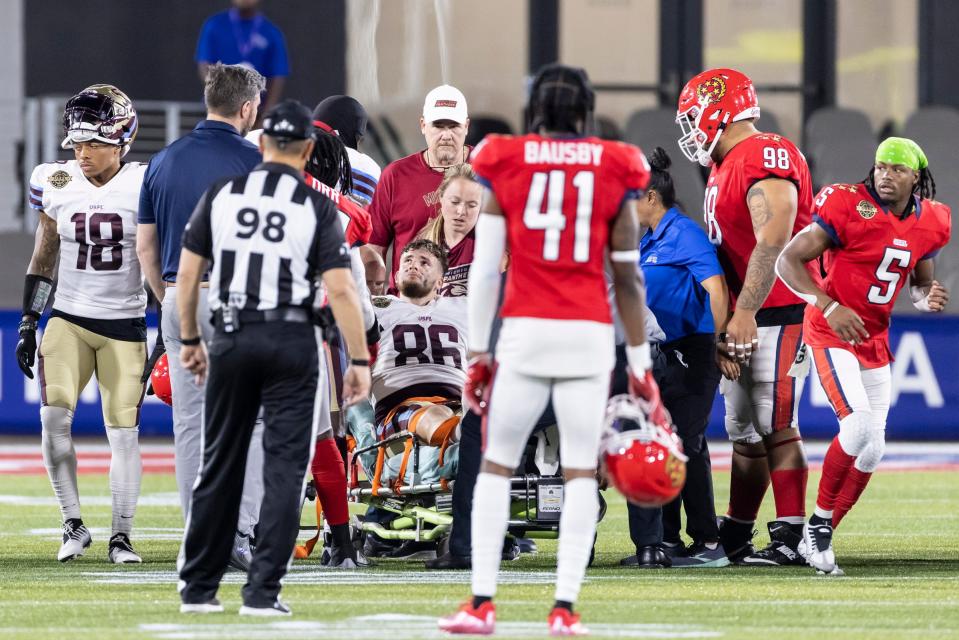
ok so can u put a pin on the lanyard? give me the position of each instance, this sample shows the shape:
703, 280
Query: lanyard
245, 47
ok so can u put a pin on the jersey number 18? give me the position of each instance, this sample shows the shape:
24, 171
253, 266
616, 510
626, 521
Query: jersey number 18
98, 243
552, 187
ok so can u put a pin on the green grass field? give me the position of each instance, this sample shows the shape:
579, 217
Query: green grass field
899, 549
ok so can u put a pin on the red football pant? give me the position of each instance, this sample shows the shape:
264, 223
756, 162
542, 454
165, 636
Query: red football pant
329, 476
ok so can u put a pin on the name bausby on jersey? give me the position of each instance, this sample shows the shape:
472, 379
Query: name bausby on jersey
99, 274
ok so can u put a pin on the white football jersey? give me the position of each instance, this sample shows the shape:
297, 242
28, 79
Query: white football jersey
99, 274
419, 345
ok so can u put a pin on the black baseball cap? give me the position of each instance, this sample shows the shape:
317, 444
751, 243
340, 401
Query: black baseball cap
290, 120
344, 115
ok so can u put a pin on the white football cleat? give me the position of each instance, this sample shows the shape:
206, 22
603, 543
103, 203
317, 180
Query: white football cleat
212, 606
76, 540
121, 551
274, 610
816, 546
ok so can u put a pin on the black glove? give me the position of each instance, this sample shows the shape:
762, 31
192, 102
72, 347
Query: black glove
27, 346
158, 350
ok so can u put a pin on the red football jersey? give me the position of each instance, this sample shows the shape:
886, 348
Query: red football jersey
728, 222
356, 220
873, 254
460, 257
559, 197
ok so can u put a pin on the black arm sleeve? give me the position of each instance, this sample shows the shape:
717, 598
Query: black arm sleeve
198, 234
330, 250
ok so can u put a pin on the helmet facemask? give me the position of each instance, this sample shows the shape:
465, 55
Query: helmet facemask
101, 114
693, 143
626, 422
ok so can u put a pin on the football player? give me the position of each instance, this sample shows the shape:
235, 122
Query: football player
562, 203
420, 364
88, 209
872, 235
422, 345
328, 171
758, 196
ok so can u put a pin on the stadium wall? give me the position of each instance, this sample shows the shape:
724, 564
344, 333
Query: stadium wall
925, 385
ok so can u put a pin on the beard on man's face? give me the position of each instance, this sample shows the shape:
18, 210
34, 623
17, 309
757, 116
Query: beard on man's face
416, 288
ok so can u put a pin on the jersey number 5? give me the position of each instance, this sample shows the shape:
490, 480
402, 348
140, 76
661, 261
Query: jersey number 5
99, 243
552, 187
891, 278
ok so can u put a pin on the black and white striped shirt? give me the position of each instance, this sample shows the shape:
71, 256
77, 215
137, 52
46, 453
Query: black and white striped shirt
269, 237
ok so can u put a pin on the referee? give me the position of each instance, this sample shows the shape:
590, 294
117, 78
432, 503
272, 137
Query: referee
269, 237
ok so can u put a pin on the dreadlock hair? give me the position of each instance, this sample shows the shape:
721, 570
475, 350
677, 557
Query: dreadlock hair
561, 99
660, 180
430, 247
330, 163
925, 187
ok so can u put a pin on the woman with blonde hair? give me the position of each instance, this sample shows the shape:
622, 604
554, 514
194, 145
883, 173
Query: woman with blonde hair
460, 196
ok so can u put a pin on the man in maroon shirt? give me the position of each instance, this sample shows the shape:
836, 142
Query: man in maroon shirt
406, 197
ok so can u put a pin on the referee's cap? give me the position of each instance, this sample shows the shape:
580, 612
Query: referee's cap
289, 120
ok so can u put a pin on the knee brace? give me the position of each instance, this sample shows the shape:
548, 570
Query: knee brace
871, 455
855, 432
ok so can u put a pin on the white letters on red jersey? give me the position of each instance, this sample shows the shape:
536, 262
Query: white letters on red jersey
99, 274
423, 346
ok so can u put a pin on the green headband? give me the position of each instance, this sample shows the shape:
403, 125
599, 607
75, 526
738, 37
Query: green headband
901, 151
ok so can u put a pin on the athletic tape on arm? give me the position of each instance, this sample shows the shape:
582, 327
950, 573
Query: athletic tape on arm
484, 279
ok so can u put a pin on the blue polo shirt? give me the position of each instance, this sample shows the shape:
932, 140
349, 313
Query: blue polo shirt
257, 42
180, 173
675, 259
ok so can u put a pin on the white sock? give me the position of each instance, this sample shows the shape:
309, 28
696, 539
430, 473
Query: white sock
60, 458
825, 514
577, 526
126, 470
490, 517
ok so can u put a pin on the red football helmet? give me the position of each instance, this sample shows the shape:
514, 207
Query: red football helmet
708, 103
160, 380
644, 461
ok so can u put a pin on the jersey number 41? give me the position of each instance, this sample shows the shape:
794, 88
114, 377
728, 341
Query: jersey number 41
552, 187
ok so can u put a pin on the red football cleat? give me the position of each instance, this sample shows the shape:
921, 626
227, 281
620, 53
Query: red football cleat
563, 622
468, 620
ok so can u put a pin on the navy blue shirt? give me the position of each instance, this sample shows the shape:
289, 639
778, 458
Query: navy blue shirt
179, 174
675, 259
257, 42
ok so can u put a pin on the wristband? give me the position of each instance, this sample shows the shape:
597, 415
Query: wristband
359, 362
832, 306
639, 358
624, 256
190, 342
29, 323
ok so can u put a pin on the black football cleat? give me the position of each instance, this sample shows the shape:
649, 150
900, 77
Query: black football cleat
782, 550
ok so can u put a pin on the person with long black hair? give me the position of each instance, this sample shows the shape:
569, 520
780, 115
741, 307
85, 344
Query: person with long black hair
686, 291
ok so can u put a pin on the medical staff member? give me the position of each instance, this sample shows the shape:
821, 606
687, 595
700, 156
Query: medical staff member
686, 292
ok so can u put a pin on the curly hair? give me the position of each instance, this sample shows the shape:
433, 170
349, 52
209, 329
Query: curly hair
422, 244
